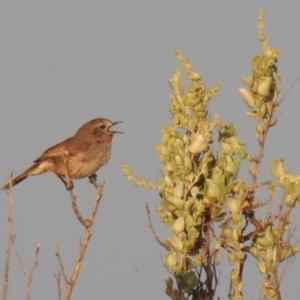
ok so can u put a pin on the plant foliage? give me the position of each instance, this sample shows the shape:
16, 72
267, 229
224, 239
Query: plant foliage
208, 207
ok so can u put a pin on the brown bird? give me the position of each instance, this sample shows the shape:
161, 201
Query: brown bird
85, 152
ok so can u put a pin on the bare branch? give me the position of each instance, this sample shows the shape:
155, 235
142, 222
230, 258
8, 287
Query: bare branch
87, 223
57, 278
166, 246
76, 211
290, 88
11, 239
61, 266
28, 279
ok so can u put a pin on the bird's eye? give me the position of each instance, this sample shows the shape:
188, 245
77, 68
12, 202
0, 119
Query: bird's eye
102, 126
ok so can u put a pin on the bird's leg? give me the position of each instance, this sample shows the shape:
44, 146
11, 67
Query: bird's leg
93, 178
68, 184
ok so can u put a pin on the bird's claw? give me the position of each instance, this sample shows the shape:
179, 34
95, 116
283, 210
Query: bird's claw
69, 185
93, 178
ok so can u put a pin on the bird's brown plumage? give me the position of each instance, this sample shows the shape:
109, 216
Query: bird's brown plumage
87, 151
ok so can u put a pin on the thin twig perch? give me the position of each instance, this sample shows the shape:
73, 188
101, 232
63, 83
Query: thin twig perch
87, 223
11, 239
29, 278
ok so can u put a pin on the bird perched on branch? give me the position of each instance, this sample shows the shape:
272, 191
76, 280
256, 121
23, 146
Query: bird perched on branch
77, 157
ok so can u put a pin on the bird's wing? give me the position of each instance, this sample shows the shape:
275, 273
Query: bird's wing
69, 147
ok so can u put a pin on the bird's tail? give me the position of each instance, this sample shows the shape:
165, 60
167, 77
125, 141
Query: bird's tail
21, 177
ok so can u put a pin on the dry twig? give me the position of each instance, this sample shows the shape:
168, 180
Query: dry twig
87, 223
28, 279
61, 266
289, 89
166, 246
57, 278
11, 239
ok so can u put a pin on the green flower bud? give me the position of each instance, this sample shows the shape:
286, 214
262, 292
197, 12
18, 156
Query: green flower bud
213, 190
191, 125
261, 267
228, 233
164, 150
168, 181
251, 113
198, 143
247, 97
267, 238
189, 222
264, 88
195, 76
178, 190
175, 243
231, 257
170, 260
290, 201
217, 245
177, 202
194, 191
178, 225
277, 169
248, 80
288, 251
254, 252
191, 280
162, 158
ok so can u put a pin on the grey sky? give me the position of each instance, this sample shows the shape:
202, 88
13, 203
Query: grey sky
65, 63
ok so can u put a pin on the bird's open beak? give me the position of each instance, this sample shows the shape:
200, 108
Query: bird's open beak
113, 124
